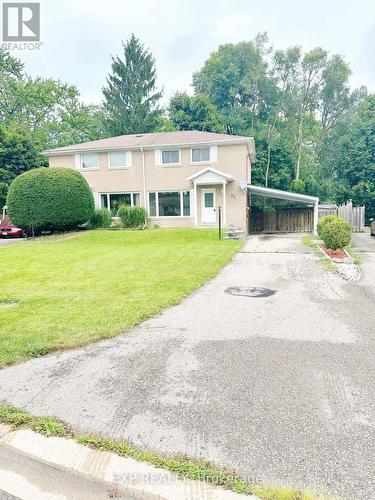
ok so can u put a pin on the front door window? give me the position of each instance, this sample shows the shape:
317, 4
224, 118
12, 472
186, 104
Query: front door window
208, 206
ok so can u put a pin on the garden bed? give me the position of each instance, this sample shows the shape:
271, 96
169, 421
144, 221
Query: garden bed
338, 255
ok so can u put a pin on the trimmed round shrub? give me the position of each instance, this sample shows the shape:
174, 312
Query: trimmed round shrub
100, 218
132, 216
323, 221
50, 199
336, 233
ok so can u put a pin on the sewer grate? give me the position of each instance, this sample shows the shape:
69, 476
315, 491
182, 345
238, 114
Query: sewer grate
249, 291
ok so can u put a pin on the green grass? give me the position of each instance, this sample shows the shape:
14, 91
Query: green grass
356, 260
309, 241
312, 242
64, 292
183, 467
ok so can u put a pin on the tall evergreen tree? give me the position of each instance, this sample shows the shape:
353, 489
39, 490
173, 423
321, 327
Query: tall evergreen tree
131, 97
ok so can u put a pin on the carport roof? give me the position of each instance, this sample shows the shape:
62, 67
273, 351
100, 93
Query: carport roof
278, 193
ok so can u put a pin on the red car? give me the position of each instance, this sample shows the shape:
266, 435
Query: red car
8, 230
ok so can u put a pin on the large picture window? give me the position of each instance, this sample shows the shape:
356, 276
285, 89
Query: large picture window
169, 204
112, 201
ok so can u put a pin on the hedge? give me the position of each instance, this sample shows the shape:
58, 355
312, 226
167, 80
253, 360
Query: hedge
50, 199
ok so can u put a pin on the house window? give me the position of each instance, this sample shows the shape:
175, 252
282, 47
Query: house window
120, 159
169, 204
200, 155
112, 201
186, 203
89, 160
168, 157
152, 204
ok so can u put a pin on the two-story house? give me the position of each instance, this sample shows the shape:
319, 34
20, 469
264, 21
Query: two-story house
182, 178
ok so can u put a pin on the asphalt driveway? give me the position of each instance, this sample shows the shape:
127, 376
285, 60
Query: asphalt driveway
280, 387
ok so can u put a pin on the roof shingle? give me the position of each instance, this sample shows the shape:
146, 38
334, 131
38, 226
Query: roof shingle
179, 138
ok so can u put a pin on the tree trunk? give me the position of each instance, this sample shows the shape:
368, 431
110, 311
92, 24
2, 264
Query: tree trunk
299, 145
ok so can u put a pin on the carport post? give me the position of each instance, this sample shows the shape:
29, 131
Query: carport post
316, 215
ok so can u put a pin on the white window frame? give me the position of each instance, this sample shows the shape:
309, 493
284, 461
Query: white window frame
159, 157
81, 161
128, 158
213, 155
132, 195
202, 161
157, 216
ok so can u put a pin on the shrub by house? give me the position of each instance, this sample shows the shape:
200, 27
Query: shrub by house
134, 217
101, 218
50, 199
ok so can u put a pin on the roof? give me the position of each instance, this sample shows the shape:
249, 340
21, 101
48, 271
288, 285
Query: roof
152, 140
277, 193
211, 170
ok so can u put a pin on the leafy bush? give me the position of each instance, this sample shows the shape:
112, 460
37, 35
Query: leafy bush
335, 232
132, 216
323, 221
50, 199
100, 218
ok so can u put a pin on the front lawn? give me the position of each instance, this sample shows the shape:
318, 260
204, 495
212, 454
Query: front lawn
63, 293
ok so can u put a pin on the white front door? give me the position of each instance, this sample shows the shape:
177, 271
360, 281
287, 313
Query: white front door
208, 206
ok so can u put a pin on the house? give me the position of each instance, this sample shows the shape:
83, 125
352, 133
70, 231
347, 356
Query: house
182, 178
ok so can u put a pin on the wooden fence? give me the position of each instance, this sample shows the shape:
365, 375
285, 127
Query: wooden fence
354, 215
297, 220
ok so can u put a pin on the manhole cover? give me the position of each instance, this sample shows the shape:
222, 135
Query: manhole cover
249, 291
7, 303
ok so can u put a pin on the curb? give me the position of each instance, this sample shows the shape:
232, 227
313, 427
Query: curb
137, 479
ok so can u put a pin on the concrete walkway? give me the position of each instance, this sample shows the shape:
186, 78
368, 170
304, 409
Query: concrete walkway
281, 388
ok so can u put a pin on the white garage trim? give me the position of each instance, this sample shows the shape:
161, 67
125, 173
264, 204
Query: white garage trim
284, 195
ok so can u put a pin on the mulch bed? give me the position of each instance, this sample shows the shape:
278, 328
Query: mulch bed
334, 254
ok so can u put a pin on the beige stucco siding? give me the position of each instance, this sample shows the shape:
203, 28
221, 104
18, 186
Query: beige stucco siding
232, 159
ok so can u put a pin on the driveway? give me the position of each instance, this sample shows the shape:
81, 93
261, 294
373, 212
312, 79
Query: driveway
5, 242
282, 387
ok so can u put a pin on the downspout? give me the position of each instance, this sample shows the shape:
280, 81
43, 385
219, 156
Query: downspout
144, 181
248, 199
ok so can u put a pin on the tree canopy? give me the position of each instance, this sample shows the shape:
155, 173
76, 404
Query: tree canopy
194, 113
130, 96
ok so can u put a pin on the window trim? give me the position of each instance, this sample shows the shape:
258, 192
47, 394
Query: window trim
162, 164
107, 194
157, 216
119, 167
81, 167
202, 162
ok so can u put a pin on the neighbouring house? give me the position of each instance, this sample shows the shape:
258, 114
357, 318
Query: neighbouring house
182, 178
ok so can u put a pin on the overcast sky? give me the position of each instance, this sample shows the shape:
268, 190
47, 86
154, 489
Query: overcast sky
79, 36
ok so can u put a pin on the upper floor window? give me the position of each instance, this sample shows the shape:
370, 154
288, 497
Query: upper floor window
120, 159
200, 155
89, 160
170, 156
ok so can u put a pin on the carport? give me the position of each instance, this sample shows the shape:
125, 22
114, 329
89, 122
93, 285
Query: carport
310, 203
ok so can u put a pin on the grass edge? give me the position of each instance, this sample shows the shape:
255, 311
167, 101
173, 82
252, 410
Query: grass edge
182, 466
